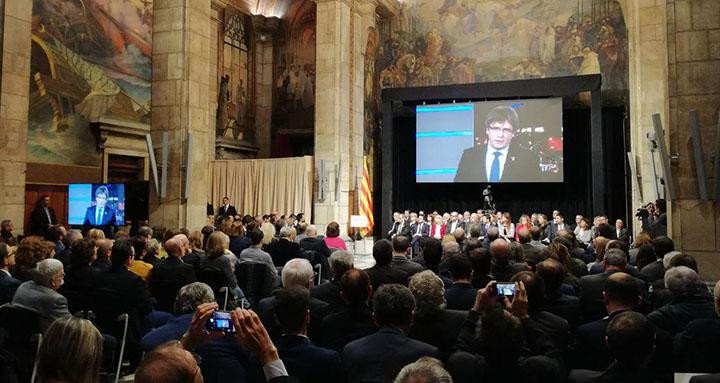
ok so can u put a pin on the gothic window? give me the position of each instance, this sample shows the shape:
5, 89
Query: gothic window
235, 32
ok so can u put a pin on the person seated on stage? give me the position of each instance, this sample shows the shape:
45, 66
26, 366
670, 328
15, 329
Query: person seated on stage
631, 340
332, 236
524, 223
461, 294
383, 272
380, 356
285, 248
303, 359
437, 229
433, 323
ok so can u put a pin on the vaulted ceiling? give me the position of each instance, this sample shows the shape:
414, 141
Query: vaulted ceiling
267, 8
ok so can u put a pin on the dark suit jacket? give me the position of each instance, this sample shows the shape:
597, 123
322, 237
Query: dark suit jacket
424, 230
79, 286
130, 296
108, 216
520, 166
39, 221
283, 250
405, 265
229, 211
318, 311
343, 327
654, 271
239, 243
696, 347
612, 374
8, 285
458, 225
195, 258
381, 275
674, 317
439, 329
307, 362
532, 253
329, 293
460, 296
592, 305
380, 356
167, 278
624, 234
563, 305
556, 327
397, 230
315, 244
504, 272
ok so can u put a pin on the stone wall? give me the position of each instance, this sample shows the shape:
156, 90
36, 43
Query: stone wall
693, 40
14, 110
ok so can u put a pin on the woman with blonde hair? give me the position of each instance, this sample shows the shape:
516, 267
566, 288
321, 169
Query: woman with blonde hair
599, 244
268, 230
70, 352
524, 223
95, 235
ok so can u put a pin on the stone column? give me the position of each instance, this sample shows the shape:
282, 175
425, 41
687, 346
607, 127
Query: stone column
648, 85
333, 113
181, 64
14, 103
263, 35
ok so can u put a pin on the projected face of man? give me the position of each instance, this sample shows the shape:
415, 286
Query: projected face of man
101, 200
499, 134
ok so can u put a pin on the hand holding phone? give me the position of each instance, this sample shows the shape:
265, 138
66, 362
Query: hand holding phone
220, 321
505, 289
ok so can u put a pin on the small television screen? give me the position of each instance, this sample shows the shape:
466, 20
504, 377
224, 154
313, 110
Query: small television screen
96, 204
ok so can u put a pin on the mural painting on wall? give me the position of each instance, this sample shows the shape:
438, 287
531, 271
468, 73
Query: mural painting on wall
90, 59
294, 75
437, 42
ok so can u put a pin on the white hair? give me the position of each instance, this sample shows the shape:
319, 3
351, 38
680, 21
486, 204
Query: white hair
46, 270
340, 262
297, 272
311, 228
287, 232
681, 280
425, 369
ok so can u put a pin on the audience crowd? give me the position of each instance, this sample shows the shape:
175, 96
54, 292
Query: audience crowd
580, 302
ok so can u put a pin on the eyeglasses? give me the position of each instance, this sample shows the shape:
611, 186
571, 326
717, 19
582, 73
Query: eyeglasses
500, 130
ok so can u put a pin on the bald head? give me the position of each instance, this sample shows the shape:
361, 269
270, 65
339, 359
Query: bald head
500, 250
184, 243
173, 247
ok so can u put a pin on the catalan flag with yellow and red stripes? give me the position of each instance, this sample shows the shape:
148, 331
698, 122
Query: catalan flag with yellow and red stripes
366, 201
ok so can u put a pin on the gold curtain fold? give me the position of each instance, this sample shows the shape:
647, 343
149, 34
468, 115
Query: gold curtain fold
262, 186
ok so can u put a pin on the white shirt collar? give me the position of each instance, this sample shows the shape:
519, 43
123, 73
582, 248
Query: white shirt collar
490, 157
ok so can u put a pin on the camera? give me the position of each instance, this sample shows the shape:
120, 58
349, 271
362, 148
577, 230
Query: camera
642, 213
220, 321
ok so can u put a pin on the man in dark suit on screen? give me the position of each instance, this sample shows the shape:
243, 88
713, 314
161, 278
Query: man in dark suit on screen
498, 160
100, 214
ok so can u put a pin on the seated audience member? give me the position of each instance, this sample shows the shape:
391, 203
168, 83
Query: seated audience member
311, 242
383, 273
31, 250
400, 260
96, 234
461, 294
599, 246
139, 267
64, 256
40, 294
269, 231
563, 246
71, 351
8, 283
532, 253
590, 349
656, 270
380, 357
644, 255
631, 339
301, 232
6, 235
102, 259
690, 301
297, 272
355, 320
340, 262
592, 286
170, 275
303, 360
173, 362
80, 277
285, 248
536, 234
424, 370
556, 301
332, 236
503, 268
482, 266
497, 353
643, 238
121, 291
56, 235
255, 254
696, 346
433, 323
196, 256
430, 254
449, 249
217, 262
556, 327
239, 241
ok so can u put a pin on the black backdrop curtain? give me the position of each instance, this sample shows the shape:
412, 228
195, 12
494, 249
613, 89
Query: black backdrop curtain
573, 196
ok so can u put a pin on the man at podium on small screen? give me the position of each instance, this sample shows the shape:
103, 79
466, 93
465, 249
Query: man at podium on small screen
498, 160
100, 214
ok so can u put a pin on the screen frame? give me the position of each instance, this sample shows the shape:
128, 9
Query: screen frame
94, 186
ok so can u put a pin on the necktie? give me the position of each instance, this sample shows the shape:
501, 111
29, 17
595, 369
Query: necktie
495, 168
47, 211
98, 215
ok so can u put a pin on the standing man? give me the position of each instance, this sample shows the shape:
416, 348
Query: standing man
226, 208
100, 214
42, 217
494, 159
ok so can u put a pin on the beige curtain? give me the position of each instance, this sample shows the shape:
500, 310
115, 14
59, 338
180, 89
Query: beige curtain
262, 186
